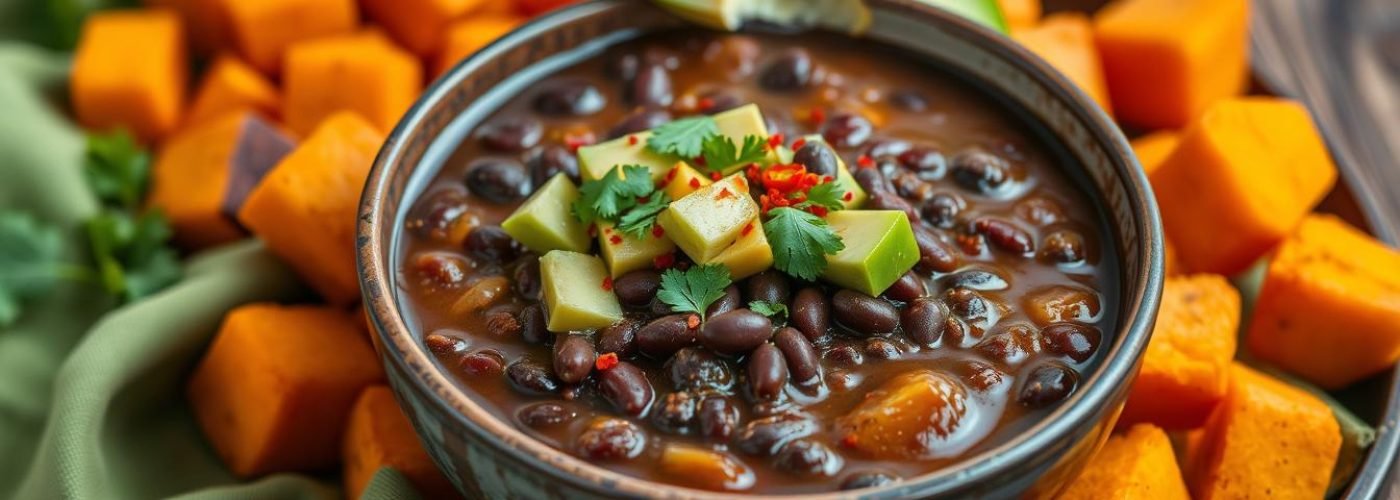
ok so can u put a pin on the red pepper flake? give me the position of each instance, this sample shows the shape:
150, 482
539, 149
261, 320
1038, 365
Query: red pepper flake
775, 140
615, 239
817, 210
849, 441
692, 321
671, 174
664, 261
781, 179
592, 230
817, 116
643, 199
865, 161
741, 184
748, 228
578, 140
798, 144
657, 231
698, 161
827, 178
631, 140
694, 183
724, 193
753, 172
606, 362
849, 196
714, 176
607, 283
706, 104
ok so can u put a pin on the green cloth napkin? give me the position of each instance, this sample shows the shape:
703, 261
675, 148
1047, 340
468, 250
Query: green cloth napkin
92, 398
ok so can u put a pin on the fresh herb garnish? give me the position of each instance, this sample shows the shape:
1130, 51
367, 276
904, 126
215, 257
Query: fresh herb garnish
684, 138
638, 221
117, 170
129, 244
720, 152
829, 195
801, 241
770, 309
30, 263
694, 289
616, 192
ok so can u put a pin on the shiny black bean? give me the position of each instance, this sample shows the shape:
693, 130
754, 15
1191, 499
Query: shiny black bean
491, 244
981, 376
527, 282
545, 414
929, 163
498, 181
810, 313
934, 255
533, 324
769, 286
979, 171
676, 412
806, 457
886, 148
695, 369
818, 157
511, 134
569, 98
847, 130
729, 302
611, 439
890, 200
719, 101
801, 356
550, 161
637, 288
483, 363
1063, 247
1005, 235
924, 320
909, 100
652, 87
861, 480
873, 181
967, 303
792, 70
442, 269
622, 67
980, 279
640, 121
736, 332
503, 324
665, 335
768, 372
532, 378
445, 342
941, 210
627, 388
573, 358
1076, 342
435, 215
863, 313
1046, 385
909, 186
845, 355
882, 349
888, 166
907, 288
765, 436
718, 418
620, 337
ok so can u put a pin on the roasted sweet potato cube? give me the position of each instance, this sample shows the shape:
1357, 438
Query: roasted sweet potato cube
465, 37
911, 416
1185, 371
1266, 440
206, 23
363, 72
274, 391
1066, 41
231, 86
1240, 181
1136, 464
705, 468
419, 25
379, 435
203, 174
1329, 310
1053, 304
1020, 13
306, 208
129, 71
263, 30
1153, 149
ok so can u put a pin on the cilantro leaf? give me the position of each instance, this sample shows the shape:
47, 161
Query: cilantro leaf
800, 242
830, 195
117, 169
30, 263
770, 309
684, 138
617, 191
694, 289
720, 152
132, 258
638, 221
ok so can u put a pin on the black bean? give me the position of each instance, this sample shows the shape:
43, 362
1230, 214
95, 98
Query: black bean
620, 337
806, 457
942, 209
1011, 346
622, 66
736, 332
445, 342
908, 287
873, 181
729, 302
1046, 385
652, 87
665, 335
570, 97
503, 324
573, 358
801, 356
695, 369
676, 412
442, 269
928, 163
637, 288
883, 148
882, 349
980, 279
627, 388
640, 121
511, 134
968, 304
845, 355
550, 161
498, 181
527, 279
719, 101
769, 286
863, 313
483, 363
890, 200
1063, 247
531, 378
818, 157
765, 436
909, 186
792, 70
811, 313
862, 480
435, 215
1040, 211
979, 171
1005, 235
924, 320
533, 324
611, 439
718, 418
934, 255
847, 130
888, 165
545, 415
1076, 342
909, 100
491, 244
768, 372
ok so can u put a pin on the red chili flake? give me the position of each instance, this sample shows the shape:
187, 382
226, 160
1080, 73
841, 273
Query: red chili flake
657, 231
664, 261
706, 104
682, 265
692, 322
748, 228
714, 176
796, 145
606, 362
817, 210
631, 140
865, 161
817, 116
607, 283
826, 178
763, 203
724, 193
775, 140
575, 141
849, 196
741, 184
753, 172
643, 199
698, 161
695, 183
592, 230
615, 239
671, 174
849, 441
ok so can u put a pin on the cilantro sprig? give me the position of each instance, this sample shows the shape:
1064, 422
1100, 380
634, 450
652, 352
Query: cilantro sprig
31, 263
828, 195
694, 289
770, 309
801, 241
638, 221
684, 137
625, 196
720, 152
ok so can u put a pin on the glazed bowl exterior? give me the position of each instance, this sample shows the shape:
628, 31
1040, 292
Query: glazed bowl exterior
488, 458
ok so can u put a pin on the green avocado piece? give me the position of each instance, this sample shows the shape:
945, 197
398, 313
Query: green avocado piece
880, 248
596, 160
739, 123
843, 174
625, 254
706, 222
546, 221
577, 292
985, 12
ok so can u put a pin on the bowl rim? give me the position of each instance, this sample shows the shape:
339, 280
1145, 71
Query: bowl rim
1088, 404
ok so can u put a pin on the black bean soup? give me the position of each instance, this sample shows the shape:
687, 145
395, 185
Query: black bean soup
1002, 315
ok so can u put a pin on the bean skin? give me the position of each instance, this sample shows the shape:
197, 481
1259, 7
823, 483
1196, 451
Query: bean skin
637, 288
640, 121
718, 418
934, 255
890, 200
445, 342
570, 98
942, 209
627, 388
483, 363
1077, 342
924, 320
980, 172
847, 130
863, 313
533, 324
675, 412
545, 414
665, 335
498, 181
811, 313
802, 360
736, 332
806, 457
868, 480
696, 369
1005, 235
491, 244
573, 358
818, 157
729, 302
790, 71
768, 286
873, 181
1046, 385
980, 279
611, 439
652, 87
511, 135
527, 279
765, 436
906, 288
1063, 247
532, 378
620, 337
768, 373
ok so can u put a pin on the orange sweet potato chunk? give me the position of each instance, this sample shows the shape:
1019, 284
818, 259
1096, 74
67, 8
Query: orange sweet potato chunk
467, 36
1266, 440
1185, 370
305, 210
1138, 464
130, 71
1020, 13
1242, 178
1066, 41
1166, 61
203, 174
364, 73
380, 435
1153, 149
205, 21
418, 25
274, 391
263, 30
1329, 310
230, 86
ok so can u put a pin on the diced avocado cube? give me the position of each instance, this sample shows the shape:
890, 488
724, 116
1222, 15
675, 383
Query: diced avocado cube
596, 160
749, 255
546, 221
625, 254
741, 122
684, 179
843, 174
880, 248
707, 221
577, 292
